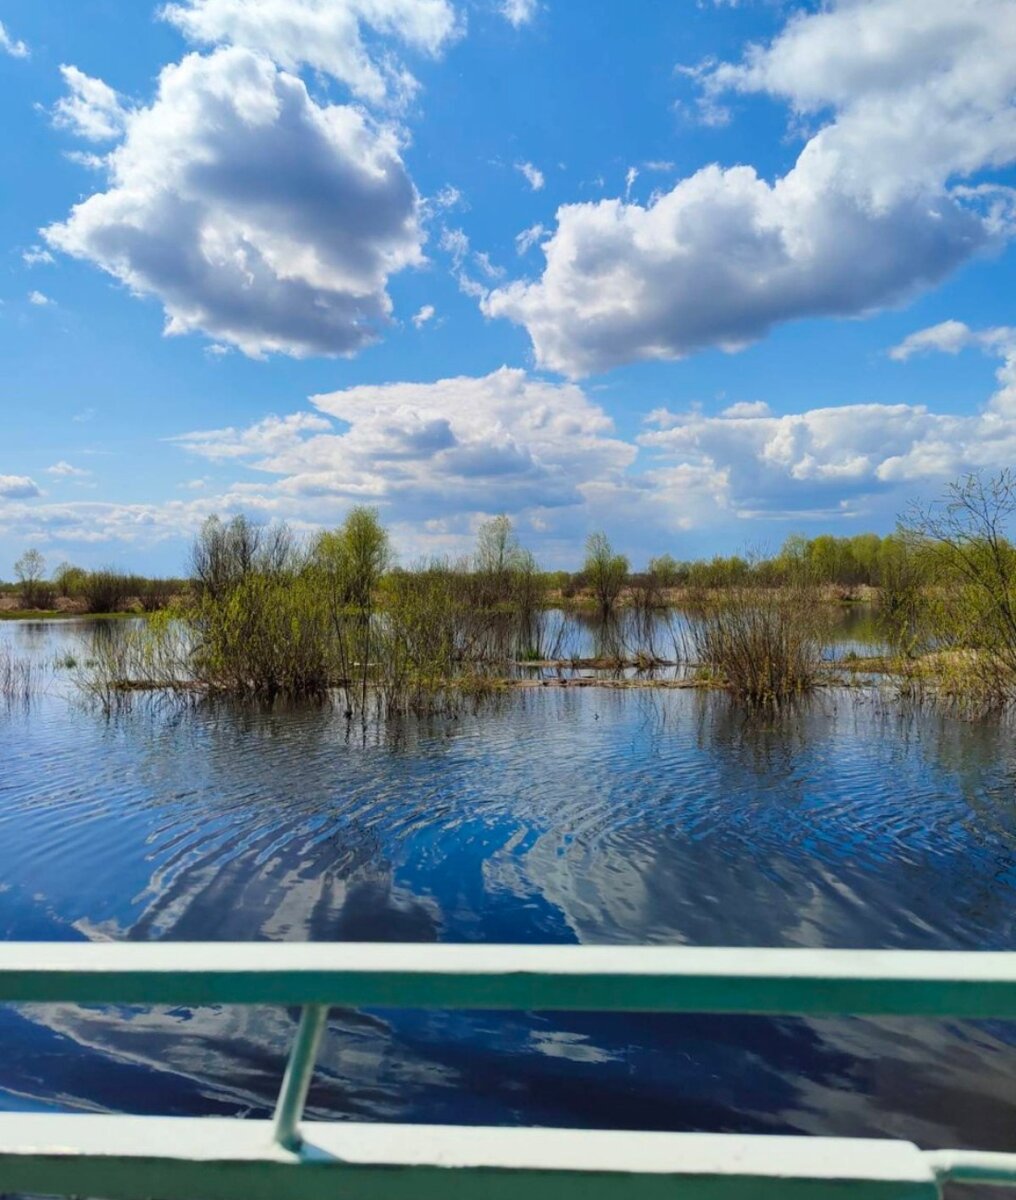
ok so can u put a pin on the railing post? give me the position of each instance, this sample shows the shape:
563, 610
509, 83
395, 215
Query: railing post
296, 1082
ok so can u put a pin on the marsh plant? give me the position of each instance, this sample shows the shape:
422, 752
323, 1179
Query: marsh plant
20, 678
764, 643
272, 619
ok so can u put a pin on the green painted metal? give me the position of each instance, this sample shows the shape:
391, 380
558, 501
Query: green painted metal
973, 1166
299, 1069
121, 1158
597, 978
125, 1158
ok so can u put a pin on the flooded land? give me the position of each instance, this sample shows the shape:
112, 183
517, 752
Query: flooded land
595, 815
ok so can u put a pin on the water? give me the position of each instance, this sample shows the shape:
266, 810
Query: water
553, 816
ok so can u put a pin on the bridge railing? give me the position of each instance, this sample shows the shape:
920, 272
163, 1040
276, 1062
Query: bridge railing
123, 1158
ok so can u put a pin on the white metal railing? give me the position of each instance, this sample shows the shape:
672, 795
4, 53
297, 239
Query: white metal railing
221, 1159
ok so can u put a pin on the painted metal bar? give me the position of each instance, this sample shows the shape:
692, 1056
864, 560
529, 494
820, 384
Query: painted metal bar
176, 1158
591, 978
299, 1071
973, 1166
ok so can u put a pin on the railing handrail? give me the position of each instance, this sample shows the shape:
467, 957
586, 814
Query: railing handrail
937, 983
208, 1159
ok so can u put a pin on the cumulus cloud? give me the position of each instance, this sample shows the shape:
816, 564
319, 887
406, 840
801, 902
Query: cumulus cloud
253, 213
11, 45
325, 35
18, 487
533, 175
912, 98
829, 460
444, 450
91, 109
423, 315
39, 299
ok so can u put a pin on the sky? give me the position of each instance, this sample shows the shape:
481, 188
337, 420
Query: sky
697, 273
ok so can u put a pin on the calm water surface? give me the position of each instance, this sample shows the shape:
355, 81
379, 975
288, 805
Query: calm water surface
554, 816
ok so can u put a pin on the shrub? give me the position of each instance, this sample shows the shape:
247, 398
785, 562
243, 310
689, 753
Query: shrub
764, 642
106, 590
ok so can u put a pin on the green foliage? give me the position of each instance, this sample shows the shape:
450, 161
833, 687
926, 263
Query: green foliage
69, 580
605, 571
968, 564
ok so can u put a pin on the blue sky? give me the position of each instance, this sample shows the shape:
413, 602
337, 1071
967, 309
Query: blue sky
699, 274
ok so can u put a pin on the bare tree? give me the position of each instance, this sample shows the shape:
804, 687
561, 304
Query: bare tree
30, 570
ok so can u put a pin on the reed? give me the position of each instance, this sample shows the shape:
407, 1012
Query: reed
20, 678
763, 642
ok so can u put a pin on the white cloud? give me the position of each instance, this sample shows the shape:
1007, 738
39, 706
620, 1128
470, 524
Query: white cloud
747, 408
833, 459
423, 315
455, 242
36, 256
950, 337
448, 197
269, 436
64, 470
91, 110
916, 96
255, 215
18, 487
534, 176
83, 523
325, 35
518, 12
629, 180
10, 45
84, 158
528, 238
40, 299
430, 451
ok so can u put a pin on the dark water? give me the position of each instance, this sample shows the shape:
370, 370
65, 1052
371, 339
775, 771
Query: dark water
555, 816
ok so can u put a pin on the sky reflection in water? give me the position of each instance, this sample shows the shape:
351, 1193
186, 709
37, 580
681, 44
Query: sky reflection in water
552, 816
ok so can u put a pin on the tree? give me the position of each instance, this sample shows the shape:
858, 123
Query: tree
499, 557
353, 559
605, 571
965, 537
224, 554
665, 570
30, 570
69, 579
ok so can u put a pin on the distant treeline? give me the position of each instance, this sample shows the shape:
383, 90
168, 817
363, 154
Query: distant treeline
865, 559
266, 614
106, 590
